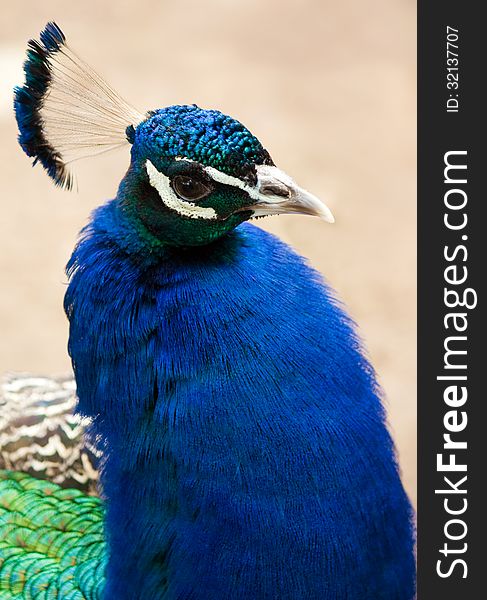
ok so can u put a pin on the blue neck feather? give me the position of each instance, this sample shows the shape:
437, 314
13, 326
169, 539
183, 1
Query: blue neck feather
247, 456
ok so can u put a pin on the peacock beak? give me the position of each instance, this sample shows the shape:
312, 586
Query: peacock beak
276, 193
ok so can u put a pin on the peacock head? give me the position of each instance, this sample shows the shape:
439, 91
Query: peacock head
194, 175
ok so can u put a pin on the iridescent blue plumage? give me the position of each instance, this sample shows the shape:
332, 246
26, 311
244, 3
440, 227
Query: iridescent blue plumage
248, 456
245, 451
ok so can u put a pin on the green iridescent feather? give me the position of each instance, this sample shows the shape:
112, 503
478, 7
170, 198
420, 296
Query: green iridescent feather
51, 541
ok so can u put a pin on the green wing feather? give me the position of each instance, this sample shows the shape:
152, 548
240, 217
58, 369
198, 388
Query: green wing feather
51, 541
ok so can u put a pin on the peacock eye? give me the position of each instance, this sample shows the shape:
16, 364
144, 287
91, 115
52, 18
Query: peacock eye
189, 188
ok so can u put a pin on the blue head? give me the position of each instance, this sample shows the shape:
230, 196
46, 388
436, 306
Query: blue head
195, 174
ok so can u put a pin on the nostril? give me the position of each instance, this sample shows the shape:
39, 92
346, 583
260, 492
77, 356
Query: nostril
275, 188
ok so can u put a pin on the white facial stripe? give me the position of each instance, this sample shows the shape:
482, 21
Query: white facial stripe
221, 177
168, 196
293, 200
253, 192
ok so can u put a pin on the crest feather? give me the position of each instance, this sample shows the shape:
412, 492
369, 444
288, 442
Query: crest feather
65, 111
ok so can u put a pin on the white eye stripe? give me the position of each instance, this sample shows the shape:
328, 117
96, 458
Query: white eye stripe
274, 193
264, 172
221, 177
160, 182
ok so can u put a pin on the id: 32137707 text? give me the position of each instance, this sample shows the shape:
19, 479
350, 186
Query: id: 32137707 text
452, 70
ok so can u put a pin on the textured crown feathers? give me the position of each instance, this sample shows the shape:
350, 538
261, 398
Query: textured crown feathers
65, 111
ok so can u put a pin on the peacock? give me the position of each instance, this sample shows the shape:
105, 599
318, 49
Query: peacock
245, 453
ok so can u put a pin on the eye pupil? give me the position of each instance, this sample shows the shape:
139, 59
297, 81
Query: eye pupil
189, 188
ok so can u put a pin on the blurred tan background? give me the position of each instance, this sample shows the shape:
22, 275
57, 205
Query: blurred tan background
329, 89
